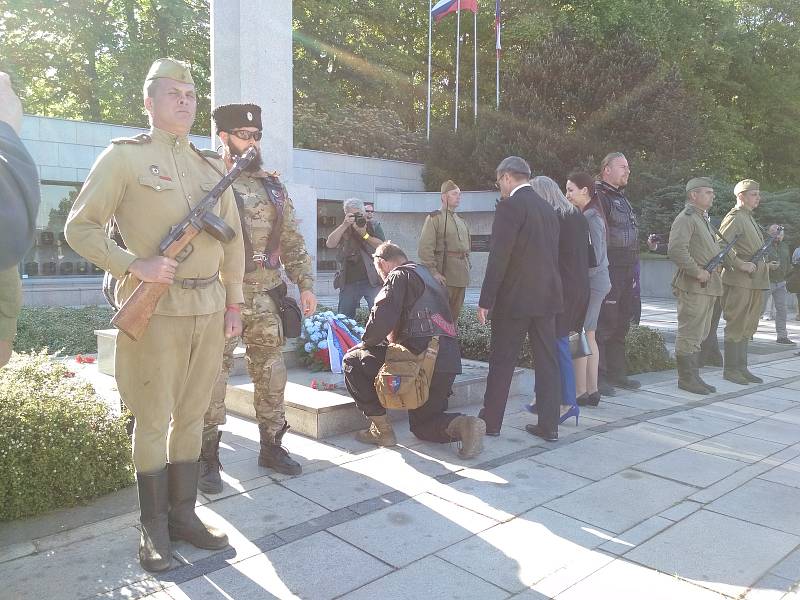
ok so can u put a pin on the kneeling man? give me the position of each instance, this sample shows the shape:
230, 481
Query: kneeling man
411, 307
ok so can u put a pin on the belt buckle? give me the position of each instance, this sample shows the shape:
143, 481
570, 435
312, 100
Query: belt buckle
189, 284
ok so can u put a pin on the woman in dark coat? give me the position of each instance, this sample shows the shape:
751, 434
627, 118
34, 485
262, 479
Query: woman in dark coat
573, 265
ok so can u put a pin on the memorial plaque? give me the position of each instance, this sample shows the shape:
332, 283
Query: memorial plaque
479, 243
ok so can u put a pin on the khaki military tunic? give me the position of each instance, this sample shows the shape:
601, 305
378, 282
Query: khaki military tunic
148, 184
743, 297
263, 332
692, 244
431, 253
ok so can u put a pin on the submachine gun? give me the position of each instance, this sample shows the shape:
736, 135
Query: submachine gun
715, 262
134, 315
762, 252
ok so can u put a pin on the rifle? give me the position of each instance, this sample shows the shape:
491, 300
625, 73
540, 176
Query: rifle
715, 262
134, 315
764, 249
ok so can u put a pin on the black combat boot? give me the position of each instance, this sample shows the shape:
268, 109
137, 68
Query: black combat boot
155, 551
210, 481
710, 356
686, 378
743, 364
273, 455
184, 524
695, 360
730, 370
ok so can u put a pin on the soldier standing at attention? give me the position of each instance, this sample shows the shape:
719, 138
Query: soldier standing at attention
743, 289
147, 184
271, 239
444, 247
692, 244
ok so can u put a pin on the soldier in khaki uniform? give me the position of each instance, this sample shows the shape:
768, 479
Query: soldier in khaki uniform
264, 205
743, 289
147, 184
692, 244
444, 247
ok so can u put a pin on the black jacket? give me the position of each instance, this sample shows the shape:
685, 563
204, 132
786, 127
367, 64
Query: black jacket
19, 198
573, 264
522, 278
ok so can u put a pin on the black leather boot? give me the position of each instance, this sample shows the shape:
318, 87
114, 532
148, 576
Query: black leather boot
695, 361
730, 370
210, 481
273, 455
155, 551
686, 378
743, 364
184, 524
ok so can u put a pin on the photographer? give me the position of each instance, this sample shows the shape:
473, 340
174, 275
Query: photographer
356, 239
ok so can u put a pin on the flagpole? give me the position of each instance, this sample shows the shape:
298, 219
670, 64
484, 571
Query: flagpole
475, 62
458, 57
497, 52
430, 30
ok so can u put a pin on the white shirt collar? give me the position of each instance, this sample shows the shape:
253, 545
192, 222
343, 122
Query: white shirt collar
522, 185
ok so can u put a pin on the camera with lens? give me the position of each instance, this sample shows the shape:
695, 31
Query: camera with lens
360, 220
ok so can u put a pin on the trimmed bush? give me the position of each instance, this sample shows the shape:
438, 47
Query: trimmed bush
61, 329
59, 445
475, 339
646, 351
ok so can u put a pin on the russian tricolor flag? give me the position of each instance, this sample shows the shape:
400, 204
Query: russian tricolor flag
445, 7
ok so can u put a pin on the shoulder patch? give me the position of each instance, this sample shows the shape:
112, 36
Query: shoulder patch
435, 213
142, 138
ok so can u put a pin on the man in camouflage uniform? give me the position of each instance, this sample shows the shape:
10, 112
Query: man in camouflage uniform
743, 289
444, 247
692, 244
148, 184
264, 205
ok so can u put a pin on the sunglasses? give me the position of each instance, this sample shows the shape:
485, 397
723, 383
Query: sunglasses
245, 135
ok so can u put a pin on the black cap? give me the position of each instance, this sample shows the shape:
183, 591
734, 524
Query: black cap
233, 116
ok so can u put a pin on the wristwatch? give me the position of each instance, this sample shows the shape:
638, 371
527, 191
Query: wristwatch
366, 235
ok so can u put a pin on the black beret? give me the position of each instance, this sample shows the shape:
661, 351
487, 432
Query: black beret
233, 116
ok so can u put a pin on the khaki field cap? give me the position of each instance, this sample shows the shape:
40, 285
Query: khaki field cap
448, 185
699, 182
171, 69
745, 185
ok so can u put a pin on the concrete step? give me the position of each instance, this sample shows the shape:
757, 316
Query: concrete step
324, 413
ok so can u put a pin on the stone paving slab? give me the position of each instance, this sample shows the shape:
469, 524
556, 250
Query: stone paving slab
412, 529
738, 447
692, 467
715, 551
764, 502
771, 430
787, 474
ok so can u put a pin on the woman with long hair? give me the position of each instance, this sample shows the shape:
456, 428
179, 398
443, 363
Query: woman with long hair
579, 193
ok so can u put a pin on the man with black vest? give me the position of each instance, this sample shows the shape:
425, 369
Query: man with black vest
411, 307
623, 257
272, 240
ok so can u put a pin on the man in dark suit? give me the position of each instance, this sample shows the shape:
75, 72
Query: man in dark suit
522, 289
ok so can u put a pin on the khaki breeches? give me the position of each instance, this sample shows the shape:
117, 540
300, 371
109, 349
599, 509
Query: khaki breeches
165, 379
455, 296
694, 320
10, 302
741, 308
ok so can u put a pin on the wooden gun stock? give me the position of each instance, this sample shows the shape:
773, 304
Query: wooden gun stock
134, 315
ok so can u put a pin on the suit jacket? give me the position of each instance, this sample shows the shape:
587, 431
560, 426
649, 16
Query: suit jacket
522, 277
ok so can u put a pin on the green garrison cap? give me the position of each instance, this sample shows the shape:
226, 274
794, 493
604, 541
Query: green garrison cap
170, 69
745, 185
699, 182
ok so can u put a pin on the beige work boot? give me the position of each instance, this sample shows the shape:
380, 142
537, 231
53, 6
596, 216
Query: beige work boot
469, 431
379, 432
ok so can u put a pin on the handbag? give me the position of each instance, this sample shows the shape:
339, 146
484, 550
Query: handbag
793, 281
579, 344
288, 309
404, 379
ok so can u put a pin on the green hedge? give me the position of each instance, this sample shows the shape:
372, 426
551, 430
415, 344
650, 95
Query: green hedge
59, 445
61, 329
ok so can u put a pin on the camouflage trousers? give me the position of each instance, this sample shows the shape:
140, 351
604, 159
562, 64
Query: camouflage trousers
262, 336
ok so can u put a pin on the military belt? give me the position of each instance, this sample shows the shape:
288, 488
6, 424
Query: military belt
452, 253
197, 284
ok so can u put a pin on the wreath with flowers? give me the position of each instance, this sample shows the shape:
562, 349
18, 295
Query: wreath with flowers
314, 337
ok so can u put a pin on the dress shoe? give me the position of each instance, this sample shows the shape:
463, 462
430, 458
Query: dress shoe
548, 436
785, 340
605, 389
587, 399
625, 382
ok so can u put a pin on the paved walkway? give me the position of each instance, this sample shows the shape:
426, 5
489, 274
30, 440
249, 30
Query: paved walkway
655, 494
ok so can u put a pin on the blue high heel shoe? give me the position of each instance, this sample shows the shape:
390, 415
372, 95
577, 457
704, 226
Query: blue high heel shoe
574, 411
